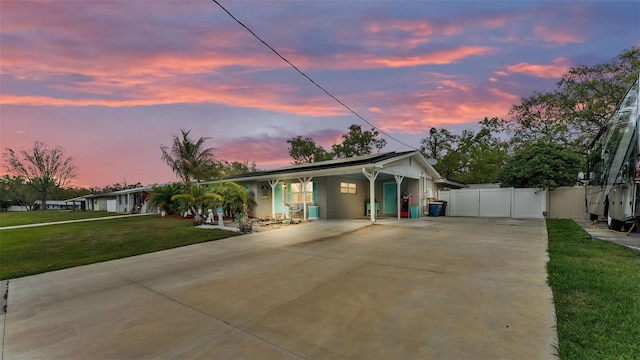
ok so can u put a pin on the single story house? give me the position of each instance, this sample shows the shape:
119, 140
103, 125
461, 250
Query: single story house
77, 204
128, 201
395, 184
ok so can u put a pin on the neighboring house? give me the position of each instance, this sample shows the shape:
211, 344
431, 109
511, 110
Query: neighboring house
394, 184
129, 201
101, 202
79, 203
133, 201
71, 204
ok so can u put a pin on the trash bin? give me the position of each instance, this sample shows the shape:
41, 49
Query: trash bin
415, 211
434, 209
443, 210
313, 212
367, 211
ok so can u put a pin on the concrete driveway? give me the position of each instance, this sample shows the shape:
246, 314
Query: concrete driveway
430, 288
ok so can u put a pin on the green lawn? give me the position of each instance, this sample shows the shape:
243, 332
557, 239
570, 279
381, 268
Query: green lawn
40, 249
39, 216
596, 290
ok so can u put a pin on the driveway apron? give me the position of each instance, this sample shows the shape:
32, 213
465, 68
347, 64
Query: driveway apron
428, 288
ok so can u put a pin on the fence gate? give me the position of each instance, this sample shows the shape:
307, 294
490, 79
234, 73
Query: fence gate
496, 202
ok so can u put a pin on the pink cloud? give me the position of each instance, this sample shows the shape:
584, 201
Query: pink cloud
556, 69
454, 101
556, 36
404, 33
439, 57
270, 151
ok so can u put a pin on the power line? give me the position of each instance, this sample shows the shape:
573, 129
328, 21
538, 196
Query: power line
308, 77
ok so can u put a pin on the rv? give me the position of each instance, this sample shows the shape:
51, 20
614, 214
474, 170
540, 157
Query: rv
613, 165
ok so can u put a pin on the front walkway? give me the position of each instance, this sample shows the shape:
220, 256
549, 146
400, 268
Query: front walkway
429, 288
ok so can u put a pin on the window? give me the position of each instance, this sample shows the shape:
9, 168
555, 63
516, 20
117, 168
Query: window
347, 188
294, 192
296, 195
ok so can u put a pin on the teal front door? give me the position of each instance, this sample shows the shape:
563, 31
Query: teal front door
390, 199
278, 203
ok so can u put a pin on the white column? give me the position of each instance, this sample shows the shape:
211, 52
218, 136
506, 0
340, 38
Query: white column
304, 182
398, 182
273, 184
372, 175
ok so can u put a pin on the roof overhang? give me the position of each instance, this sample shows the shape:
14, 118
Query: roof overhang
352, 167
451, 183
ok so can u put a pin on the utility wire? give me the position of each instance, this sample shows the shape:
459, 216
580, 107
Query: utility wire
309, 78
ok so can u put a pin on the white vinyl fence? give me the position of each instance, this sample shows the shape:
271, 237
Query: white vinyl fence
502, 202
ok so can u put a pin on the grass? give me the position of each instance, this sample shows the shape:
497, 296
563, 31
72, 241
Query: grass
596, 290
39, 216
36, 250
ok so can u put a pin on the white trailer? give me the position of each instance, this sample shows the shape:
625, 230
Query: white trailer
613, 164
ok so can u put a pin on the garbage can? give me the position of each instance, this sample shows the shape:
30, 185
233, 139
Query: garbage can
443, 210
434, 209
313, 212
415, 211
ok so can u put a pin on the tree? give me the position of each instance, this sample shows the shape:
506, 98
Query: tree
15, 190
469, 157
227, 169
543, 165
442, 145
305, 150
189, 159
236, 199
161, 197
357, 142
195, 197
42, 167
573, 113
68, 193
120, 186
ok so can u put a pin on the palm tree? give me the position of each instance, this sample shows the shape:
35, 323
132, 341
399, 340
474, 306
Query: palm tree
161, 197
237, 199
196, 196
188, 158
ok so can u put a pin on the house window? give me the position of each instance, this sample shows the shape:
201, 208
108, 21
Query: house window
296, 194
347, 188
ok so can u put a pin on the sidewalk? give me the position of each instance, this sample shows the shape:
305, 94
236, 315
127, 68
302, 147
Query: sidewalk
70, 221
600, 231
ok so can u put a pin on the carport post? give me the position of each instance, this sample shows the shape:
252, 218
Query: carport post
304, 183
273, 184
372, 191
398, 199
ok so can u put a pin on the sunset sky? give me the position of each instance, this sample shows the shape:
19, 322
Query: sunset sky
111, 81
